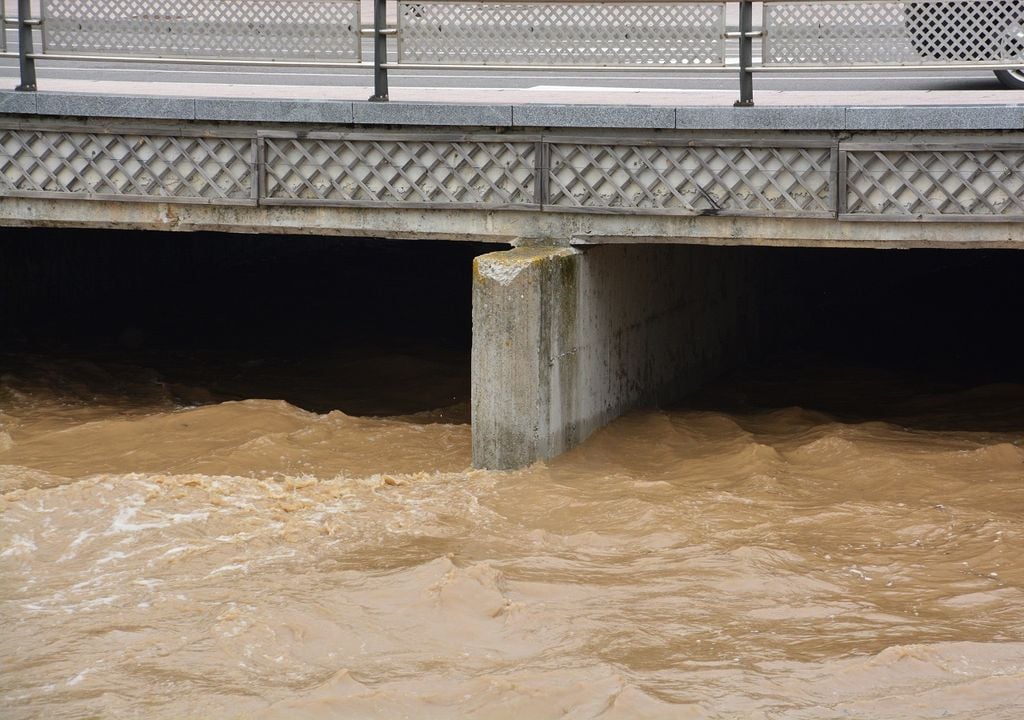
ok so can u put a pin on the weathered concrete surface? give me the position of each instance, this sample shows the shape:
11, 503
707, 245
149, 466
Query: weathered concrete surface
504, 226
524, 356
565, 340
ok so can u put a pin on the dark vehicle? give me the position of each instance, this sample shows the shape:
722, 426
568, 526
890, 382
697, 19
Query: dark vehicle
970, 31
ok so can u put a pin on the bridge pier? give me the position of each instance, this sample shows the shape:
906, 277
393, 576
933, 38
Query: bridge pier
567, 339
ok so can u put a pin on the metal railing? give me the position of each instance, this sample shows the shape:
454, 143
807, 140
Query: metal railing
528, 35
315, 31
585, 35
289, 33
6, 23
869, 34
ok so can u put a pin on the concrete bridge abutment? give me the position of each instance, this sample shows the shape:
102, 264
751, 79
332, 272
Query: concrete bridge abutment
566, 339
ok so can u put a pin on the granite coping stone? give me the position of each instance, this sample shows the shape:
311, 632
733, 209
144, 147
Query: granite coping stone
18, 103
303, 111
595, 116
450, 114
534, 115
116, 106
958, 117
761, 118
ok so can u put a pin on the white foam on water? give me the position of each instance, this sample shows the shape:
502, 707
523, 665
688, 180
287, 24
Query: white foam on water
20, 545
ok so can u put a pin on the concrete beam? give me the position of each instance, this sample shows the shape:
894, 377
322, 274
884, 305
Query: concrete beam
505, 226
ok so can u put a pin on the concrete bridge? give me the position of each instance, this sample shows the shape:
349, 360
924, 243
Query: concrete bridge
604, 303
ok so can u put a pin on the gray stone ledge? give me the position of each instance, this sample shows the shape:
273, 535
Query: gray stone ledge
595, 116
761, 118
116, 106
17, 103
249, 110
397, 113
957, 117
256, 110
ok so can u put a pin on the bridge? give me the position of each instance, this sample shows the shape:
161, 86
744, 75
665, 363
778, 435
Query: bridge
606, 301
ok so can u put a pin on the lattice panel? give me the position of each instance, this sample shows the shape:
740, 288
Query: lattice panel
922, 32
935, 182
580, 34
128, 166
694, 180
326, 30
462, 172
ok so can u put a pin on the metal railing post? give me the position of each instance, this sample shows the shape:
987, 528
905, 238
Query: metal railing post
380, 51
746, 54
28, 64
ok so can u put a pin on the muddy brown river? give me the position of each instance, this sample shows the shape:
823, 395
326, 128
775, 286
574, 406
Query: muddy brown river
173, 548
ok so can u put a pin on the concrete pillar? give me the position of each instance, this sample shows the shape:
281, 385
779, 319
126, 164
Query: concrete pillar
565, 339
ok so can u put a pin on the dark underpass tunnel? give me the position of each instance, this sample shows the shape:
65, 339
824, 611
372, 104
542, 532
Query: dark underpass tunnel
384, 327
893, 334
366, 326
949, 313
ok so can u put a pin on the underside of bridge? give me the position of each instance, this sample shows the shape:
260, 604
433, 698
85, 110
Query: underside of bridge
566, 340
539, 346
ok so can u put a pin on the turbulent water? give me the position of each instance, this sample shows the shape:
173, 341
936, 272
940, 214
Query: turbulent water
171, 549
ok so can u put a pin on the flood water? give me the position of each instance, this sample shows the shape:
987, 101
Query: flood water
227, 533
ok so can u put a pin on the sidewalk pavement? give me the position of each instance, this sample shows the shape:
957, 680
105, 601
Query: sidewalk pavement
544, 94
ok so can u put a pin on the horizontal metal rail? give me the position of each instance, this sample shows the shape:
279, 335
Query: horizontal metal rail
7, 22
592, 36
198, 60
561, 68
885, 68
